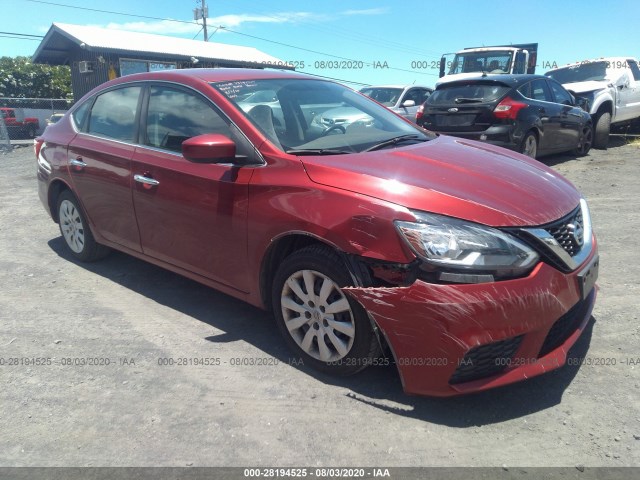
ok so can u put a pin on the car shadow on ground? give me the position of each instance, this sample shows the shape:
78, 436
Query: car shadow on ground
552, 160
379, 387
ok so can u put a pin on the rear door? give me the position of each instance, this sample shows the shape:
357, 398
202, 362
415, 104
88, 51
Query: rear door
100, 165
547, 113
190, 215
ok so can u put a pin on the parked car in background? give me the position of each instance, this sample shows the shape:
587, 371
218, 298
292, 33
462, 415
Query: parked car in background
17, 124
404, 100
531, 114
469, 266
54, 118
610, 87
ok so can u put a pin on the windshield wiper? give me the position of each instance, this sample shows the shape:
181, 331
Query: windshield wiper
468, 100
395, 141
317, 151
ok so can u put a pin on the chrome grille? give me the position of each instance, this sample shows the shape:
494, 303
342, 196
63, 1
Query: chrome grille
569, 232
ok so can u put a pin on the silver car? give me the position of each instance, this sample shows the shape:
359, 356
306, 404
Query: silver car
403, 100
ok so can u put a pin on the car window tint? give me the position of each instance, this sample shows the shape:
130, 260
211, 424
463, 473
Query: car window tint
560, 94
634, 69
525, 90
540, 91
174, 116
113, 114
80, 115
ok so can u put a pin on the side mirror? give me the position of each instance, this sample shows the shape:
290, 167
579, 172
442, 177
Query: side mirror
443, 63
209, 148
409, 103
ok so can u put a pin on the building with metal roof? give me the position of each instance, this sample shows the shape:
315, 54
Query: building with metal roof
97, 55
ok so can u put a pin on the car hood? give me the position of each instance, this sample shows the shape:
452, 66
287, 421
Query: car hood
455, 177
589, 86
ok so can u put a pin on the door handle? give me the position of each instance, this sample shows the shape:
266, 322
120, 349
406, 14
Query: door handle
146, 180
78, 163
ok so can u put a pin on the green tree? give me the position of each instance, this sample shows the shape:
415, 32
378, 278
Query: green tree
19, 78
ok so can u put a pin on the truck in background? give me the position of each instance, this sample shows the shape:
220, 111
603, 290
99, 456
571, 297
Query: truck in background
610, 89
519, 58
17, 124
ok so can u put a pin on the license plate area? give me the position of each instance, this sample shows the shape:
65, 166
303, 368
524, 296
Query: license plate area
588, 276
454, 120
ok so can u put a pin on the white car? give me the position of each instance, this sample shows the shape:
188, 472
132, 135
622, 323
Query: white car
401, 99
610, 89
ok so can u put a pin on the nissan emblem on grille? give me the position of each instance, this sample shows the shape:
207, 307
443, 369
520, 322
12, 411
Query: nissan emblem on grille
577, 231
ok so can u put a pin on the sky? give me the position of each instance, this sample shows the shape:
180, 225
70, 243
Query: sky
357, 42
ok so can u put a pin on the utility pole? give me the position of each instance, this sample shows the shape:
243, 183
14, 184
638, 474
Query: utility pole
205, 14
202, 13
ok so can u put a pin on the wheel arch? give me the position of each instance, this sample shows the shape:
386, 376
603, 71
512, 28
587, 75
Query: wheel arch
56, 187
280, 248
604, 107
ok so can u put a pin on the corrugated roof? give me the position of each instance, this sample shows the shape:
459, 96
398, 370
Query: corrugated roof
103, 39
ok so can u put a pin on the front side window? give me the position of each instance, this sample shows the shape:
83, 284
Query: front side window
385, 95
113, 114
634, 69
175, 115
562, 96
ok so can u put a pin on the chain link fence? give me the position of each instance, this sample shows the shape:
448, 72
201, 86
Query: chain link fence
24, 118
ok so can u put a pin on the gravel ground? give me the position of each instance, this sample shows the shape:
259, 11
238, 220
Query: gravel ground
127, 317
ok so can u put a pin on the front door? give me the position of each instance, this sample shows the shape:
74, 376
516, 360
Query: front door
190, 215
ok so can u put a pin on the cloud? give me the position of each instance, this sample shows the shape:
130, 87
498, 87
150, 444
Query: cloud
368, 11
172, 27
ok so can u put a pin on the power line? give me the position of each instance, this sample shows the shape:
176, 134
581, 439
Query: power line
22, 34
111, 12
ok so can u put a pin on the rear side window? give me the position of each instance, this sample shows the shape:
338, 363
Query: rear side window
468, 93
80, 114
175, 116
113, 114
540, 91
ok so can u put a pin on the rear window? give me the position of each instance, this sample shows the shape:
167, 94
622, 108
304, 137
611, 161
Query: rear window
467, 93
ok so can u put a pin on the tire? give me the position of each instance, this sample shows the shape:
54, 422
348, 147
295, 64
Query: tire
75, 230
31, 133
586, 141
602, 129
331, 332
529, 145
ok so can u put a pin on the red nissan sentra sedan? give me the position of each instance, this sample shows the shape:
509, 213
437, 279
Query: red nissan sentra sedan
371, 239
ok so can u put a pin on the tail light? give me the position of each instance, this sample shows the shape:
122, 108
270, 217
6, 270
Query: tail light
508, 109
37, 145
420, 112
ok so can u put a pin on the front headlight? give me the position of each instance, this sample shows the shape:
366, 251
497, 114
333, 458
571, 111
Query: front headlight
465, 252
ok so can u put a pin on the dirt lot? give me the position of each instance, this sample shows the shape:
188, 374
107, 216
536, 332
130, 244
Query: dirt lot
127, 318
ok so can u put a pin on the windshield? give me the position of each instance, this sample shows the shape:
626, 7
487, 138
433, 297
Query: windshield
386, 96
582, 72
474, 92
490, 62
305, 116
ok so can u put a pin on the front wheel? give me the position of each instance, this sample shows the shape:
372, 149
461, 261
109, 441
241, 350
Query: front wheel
331, 332
75, 230
529, 145
586, 140
602, 130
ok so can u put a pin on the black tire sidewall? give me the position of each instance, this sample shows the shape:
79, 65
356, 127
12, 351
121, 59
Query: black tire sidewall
601, 130
322, 261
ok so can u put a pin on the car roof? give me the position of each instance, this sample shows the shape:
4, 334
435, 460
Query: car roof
513, 80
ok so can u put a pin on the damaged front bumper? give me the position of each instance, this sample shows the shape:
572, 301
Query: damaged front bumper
450, 339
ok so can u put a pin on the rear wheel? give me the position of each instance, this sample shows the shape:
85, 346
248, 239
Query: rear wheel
586, 140
330, 331
75, 230
602, 129
31, 133
529, 145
